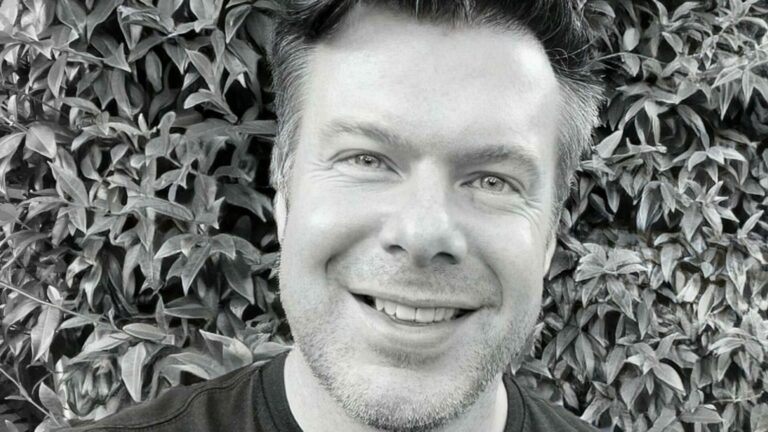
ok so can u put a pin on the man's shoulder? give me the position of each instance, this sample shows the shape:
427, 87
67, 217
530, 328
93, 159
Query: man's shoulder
541, 415
208, 405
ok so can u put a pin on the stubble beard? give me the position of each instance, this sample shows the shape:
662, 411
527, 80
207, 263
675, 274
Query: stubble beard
362, 398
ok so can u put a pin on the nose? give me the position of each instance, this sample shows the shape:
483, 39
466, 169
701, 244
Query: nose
423, 228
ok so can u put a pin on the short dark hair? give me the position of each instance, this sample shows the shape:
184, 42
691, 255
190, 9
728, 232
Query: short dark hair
555, 23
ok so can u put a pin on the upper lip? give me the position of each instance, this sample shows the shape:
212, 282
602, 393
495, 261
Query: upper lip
418, 302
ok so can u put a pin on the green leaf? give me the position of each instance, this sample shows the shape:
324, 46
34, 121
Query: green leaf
117, 85
103, 343
243, 196
99, 14
631, 39
194, 263
178, 243
750, 223
666, 418
71, 13
670, 254
269, 350
205, 68
213, 98
693, 119
238, 275
223, 244
78, 321
196, 364
56, 74
608, 145
614, 363
18, 310
90, 282
713, 218
584, 354
43, 332
620, 295
142, 47
9, 11
234, 353
685, 9
668, 375
50, 400
145, 331
8, 425
630, 389
82, 104
247, 251
9, 143
205, 9
131, 367
234, 20
71, 185
154, 70
188, 308
726, 344
705, 414
9, 213
258, 127
734, 264
40, 139
159, 205
117, 60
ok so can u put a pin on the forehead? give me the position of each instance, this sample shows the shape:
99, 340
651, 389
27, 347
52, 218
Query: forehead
435, 84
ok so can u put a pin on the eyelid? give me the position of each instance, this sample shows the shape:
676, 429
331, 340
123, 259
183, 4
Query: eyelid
514, 185
349, 157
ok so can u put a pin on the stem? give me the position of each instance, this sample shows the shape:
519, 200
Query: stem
13, 123
27, 397
623, 53
744, 399
21, 94
43, 302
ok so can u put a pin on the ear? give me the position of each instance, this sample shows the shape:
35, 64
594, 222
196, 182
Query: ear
550, 252
281, 213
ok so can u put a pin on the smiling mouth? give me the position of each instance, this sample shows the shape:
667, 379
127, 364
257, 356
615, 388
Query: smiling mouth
410, 315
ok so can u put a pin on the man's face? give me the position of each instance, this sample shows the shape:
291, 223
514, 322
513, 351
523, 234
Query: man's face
423, 186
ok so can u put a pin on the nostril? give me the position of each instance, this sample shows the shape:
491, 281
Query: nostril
395, 249
446, 257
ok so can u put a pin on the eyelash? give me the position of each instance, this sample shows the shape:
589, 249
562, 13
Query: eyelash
353, 159
512, 187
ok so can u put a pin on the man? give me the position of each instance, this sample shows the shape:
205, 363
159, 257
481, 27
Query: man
423, 153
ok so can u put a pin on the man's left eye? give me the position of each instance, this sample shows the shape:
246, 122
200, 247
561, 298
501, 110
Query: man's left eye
492, 183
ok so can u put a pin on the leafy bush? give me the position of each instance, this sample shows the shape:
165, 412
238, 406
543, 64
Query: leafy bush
137, 243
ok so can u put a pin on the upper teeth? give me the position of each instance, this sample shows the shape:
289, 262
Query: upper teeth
409, 313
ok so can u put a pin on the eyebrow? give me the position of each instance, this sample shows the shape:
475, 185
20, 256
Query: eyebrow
488, 154
340, 127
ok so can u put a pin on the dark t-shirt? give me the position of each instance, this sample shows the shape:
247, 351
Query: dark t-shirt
252, 399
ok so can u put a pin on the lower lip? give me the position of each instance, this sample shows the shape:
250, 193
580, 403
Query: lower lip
418, 338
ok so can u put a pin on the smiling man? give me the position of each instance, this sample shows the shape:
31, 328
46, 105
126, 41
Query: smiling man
423, 154
421, 164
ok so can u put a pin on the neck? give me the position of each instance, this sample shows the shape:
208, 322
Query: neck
316, 411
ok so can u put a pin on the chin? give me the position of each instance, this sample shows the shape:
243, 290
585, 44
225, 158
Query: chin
400, 401
407, 398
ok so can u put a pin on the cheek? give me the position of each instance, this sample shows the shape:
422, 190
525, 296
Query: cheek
515, 254
322, 225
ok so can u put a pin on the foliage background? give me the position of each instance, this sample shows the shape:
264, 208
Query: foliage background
137, 247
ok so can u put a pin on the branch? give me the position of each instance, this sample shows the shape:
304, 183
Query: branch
43, 302
26, 396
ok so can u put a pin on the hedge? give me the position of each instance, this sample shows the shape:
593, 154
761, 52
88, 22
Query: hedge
137, 245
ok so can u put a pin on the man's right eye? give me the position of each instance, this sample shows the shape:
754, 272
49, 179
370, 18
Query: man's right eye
366, 160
